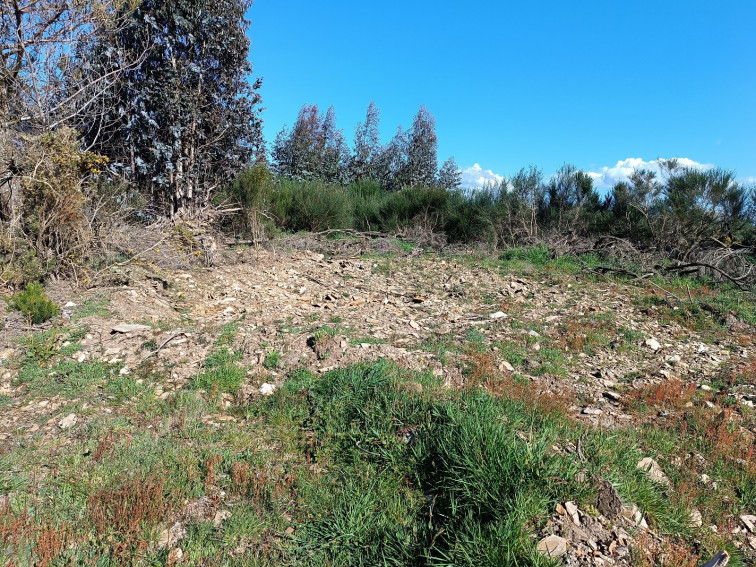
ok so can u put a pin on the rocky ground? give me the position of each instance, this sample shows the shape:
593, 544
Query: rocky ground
597, 344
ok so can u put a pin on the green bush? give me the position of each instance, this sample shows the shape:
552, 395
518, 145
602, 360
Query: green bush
312, 206
34, 304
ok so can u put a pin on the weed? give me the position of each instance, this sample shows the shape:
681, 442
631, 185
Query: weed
125, 512
227, 334
123, 387
272, 360
41, 348
66, 378
475, 338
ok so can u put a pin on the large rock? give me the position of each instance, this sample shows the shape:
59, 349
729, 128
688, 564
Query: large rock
552, 546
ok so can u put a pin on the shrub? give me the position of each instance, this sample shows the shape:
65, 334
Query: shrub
34, 304
313, 206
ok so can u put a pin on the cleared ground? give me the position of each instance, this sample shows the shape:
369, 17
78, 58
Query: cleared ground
364, 403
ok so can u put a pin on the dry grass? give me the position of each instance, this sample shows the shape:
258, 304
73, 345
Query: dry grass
649, 552
672, 395
46, 538
126, 512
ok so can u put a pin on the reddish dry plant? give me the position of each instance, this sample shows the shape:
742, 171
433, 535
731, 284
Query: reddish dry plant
210, 476
747, 373
257, 486
579, 334
647, 552
670, 394
48, 540
125, 512
727, 439
104, 446
484, 373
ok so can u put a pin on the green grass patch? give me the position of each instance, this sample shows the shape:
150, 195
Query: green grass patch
90, 307
413, 477
67, 378
222, 372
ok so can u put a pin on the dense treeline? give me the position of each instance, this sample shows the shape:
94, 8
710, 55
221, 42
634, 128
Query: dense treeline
316, 182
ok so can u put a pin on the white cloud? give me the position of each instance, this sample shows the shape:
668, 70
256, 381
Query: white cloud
607, 177
749, 181
476, 177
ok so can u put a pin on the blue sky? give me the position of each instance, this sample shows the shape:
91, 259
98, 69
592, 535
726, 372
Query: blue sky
517, 83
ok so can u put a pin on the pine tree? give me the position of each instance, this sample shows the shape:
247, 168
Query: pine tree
186, 119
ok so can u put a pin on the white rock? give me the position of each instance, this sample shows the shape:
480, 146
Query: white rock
695, 518
653, 344
171, 536
592, 411
68, 421
497, 315
70, 304
506, 366
126, 328
572, 510
653, 470
220, 517
552, 546
750, 522
705, 387
267, 389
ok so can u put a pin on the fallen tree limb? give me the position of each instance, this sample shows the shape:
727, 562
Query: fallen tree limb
691, 267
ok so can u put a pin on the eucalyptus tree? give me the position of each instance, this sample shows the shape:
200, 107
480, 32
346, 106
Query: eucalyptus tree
422, 151
186, 119
390, 164
367, 145
313, 149
449, 175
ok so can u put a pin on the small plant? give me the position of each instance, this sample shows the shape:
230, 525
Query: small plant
34, 304
272, 360
222, 372
41, 348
